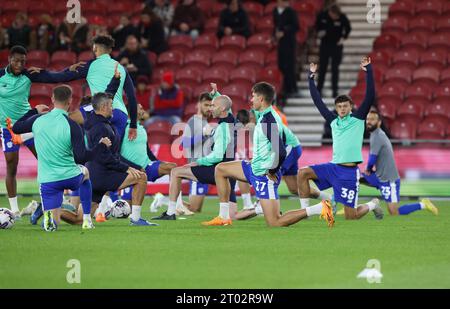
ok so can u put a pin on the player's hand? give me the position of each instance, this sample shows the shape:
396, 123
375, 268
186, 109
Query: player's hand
106, 141
207, 130
136, 174
272, 177
116, 71
132, 133
214, 88
42, 108
34, 70
365, 62
279, 34
74, 67
313, 67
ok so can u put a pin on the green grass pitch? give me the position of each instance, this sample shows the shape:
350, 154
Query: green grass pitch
414, 252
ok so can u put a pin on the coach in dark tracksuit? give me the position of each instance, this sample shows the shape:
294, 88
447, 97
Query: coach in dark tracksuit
285, 27
334, 27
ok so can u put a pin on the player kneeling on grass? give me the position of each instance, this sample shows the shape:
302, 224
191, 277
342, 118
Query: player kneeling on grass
342, 172
60, 146
382, 173
263, 172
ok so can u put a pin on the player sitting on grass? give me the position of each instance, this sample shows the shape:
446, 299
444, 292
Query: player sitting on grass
263, 172
382, 173
342, 172
60, 146
202, 170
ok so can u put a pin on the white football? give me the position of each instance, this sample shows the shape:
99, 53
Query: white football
6, 218
120, 209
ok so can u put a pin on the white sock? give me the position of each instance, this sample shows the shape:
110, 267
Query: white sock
247, 198
135, 212
13, 204
371, 205
180, 200
324, 196
258, 209
224, 211
304, 202
422, 205
172, 207
165, 200
103, 204
314, 210
26, 136
87, 217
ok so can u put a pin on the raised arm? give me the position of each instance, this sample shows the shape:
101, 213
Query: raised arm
315, 95
364, 109
74, 72
25, 123
132, 102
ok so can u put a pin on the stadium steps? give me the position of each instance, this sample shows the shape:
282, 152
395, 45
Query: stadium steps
304, 119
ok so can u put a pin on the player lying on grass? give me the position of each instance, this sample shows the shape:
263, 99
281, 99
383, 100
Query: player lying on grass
60, 146
342, 172
263, 172
196, 134
202, 170
382, 173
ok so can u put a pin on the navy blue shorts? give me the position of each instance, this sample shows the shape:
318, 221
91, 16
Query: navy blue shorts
343, 179
198, 188
390, 190
8, 145
104, 180
265, 188
119, 120
290, 164
52, 192
152, 171
205, 175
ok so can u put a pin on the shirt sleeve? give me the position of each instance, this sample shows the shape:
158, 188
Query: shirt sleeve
221, 140
25, 123
64, 76
323, 109
369, 98
132, 102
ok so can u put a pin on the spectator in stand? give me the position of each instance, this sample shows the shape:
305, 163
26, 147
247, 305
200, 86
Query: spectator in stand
188, 19
19, 32
168, 102
72, 36
135, 59
3, 37
151, 32
143, 94
286, 26
45, 33
164, 10
122, 31
333, 27
234, 20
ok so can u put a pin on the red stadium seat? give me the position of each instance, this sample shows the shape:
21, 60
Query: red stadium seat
159, 126
172, 59
409, 57
14, 7
301, 36
271, 75
439, 40
404, 129
260, 41
182, 43
215, 75
303, 7
254, 9
272, 58
416, 39
433, 7
391, 90
236, 91
206, 7
412, 108
40, 94
250, 58
190, 109
187, 92
380, 57
264, 25
118, 8
435, 56
399, 74
244, 75
233, 42
422, 23
433, 128
217, 8
159, 137
419, 90
189, 77
211, 25
401, 8
37, 8
63, 58
268, 9
86, 56
38, 58
226, 57
200, 58
443, 91
207, 42
396, 23
426, 74
388, 106
443, 23
202, 88
439, 110
386, 41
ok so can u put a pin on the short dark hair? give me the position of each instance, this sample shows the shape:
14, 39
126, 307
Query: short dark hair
376, 112
62, 93
205, 96
105, 40
98, 99
266, 90
18, 49
343, 98
243, 116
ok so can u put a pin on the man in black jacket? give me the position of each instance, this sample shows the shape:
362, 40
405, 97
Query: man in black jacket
286, 26
234, 20
333, 27
135, 59
108, 171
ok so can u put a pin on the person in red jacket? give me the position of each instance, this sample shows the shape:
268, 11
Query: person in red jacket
168, 102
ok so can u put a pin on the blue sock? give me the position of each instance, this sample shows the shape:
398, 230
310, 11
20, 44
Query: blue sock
127, 193
114, 195
409, 208
86, 196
